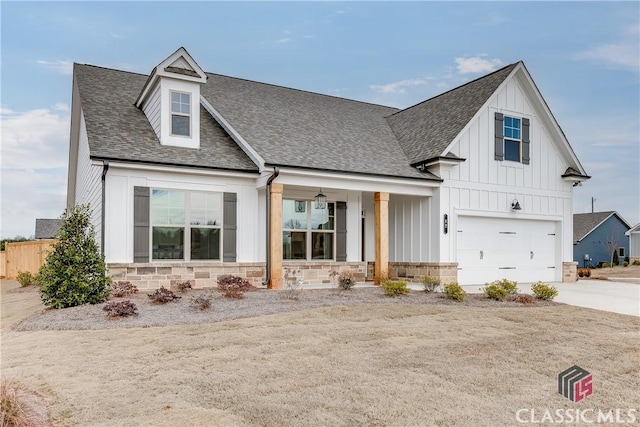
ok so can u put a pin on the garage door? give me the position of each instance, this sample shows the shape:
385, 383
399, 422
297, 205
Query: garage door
489, 249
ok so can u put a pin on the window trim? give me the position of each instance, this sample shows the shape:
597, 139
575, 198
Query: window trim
621, 252
308, 230
186, 226
179, 113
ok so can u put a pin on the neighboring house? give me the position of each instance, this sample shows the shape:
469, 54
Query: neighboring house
47, 228
193, 174
634, 243
596, 235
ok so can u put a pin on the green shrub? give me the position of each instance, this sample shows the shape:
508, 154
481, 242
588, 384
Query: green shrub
636, 262
543, 291
430, 284
625, 264
74, 272
495, 291
605, 265
346, 280
25, 278
454, 291
393, 288
508, 285
616, 258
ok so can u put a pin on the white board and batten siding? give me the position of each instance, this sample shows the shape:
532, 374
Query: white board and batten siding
89, 181
121, 181
477, 195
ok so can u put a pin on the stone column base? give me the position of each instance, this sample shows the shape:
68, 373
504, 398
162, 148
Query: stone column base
570, 271
447, 272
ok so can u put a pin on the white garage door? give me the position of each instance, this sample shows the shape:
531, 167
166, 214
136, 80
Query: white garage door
489, 249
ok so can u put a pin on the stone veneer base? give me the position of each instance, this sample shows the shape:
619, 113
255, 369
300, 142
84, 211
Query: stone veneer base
447, 272
570, 271
205, 275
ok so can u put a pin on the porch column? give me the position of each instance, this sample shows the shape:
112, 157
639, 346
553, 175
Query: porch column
275, 247
382, 236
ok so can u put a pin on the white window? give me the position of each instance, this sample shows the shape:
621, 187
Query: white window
307, 232
186, 225
180, 114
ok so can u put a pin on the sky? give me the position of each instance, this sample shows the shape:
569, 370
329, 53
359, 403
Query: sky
583, 56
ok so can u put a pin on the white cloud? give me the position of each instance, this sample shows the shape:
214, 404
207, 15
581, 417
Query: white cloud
34, 155
399, 86
61, 67
283, 40
476, 65
623, 53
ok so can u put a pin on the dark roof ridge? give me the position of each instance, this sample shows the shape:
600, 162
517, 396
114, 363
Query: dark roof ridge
303, 90
457, 87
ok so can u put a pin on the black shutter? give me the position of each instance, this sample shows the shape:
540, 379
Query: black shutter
341, 231
526, 156
499, 137
140, 224
229, 227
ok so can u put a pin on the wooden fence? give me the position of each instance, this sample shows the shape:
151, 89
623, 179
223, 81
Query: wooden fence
24, 256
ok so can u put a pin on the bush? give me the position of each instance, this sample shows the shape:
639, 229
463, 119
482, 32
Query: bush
393, 288
74, 272
430, 284
234, 286
636, 262
25, 278
121, 289
543, 291
201, 302
495, 291
346, 280
523, 298
508, 285
584, 272
183, 286
120, 309
605, 265
163, 295
454, 291
616, 258
625, 264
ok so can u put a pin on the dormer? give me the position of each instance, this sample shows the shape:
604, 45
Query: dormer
171, 100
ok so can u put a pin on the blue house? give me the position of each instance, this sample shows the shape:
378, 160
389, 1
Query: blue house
596, 234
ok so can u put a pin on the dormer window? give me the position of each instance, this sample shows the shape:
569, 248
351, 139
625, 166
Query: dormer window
180, 114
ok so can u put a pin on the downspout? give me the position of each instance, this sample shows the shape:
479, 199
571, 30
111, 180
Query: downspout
105, 168
274, 175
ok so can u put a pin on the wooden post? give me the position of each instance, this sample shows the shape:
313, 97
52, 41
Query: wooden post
275, 247
382, 236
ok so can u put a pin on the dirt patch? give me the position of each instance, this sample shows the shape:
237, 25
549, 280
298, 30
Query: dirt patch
629, 274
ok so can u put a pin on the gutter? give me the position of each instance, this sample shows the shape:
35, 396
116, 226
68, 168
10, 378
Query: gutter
105, 168
274, 175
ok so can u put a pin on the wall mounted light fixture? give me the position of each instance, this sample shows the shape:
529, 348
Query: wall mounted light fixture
515, 205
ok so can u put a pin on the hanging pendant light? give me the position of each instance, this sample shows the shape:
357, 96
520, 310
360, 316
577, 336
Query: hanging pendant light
321, 200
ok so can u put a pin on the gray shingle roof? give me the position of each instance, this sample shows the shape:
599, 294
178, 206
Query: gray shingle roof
117, 130
290, 127
47, 228
426, 129
583, 223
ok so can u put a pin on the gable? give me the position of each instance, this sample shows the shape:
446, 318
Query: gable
548, 154
586, 223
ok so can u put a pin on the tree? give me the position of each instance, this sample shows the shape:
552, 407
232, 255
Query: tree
612, 246
74, 272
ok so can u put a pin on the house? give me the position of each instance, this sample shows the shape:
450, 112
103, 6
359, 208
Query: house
47, 228
634, 243
193, 174
596, 235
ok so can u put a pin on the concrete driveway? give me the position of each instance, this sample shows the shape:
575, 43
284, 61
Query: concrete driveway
606, 295
616, 297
